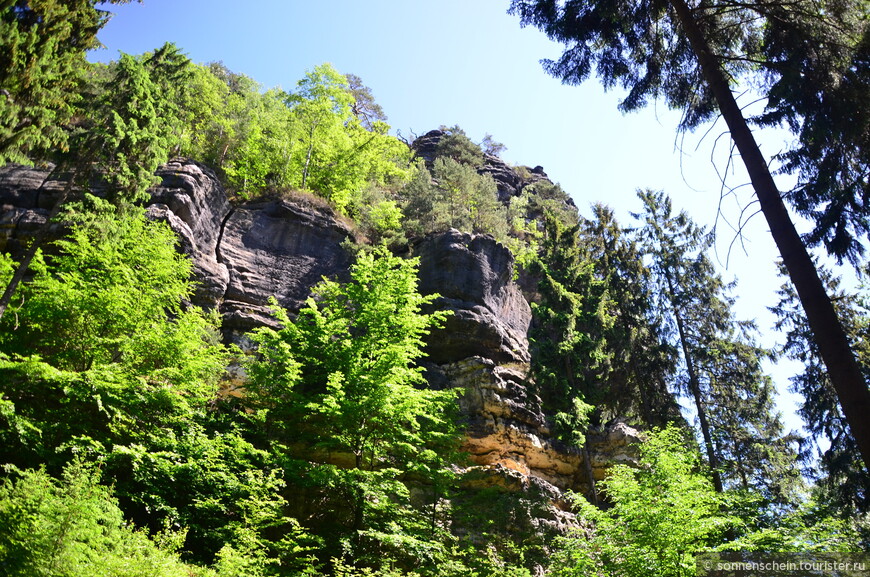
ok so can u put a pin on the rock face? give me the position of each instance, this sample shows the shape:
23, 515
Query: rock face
474, 276
245, 254
24, 204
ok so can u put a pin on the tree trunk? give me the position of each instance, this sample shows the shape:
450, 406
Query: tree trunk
695, 388
843, 369
590, 476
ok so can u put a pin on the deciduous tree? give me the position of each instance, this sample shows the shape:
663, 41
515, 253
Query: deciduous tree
342, 379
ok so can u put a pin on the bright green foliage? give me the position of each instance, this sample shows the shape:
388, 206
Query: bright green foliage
378, 215
220, 109
104, 299
74, 527
97, 353
453, 195
42, 61
810, 527
337, 156
261, 156
321, 105
341, 382
123, 131
326, 136
663, 513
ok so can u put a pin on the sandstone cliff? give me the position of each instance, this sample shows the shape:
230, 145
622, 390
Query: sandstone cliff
246, 253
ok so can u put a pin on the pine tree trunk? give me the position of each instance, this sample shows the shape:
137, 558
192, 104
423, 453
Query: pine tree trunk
834, 348
695, 389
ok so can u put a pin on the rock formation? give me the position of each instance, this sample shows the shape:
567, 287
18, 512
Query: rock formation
245, 254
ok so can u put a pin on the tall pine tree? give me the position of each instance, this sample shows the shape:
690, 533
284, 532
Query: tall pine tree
721, 369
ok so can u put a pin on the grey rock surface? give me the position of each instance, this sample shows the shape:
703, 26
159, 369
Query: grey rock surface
474, 276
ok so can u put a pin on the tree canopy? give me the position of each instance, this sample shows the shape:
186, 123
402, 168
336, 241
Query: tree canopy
692, 56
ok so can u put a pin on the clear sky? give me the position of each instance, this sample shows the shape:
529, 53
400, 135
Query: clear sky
468, 63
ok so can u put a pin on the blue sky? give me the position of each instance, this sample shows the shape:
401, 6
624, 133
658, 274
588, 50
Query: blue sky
468, 63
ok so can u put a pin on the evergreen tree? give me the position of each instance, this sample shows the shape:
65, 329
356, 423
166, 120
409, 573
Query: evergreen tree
456, 145
641, 361
570, 359
466, 200
819, 64
42, 65
721, 367
364, 107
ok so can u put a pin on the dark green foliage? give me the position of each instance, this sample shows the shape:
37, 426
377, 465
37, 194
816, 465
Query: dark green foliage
42, 63
819, 68
364, 107
634, 45
721, 366
641, 361
491, 146
691, 55
456, 145
134, 120
123, 134
453, 195
337, 459
569, 357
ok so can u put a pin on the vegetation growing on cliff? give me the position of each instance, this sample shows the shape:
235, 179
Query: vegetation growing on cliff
123, 456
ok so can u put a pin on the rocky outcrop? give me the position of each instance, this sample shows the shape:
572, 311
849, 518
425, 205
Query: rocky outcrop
26, 199
509, 181
245, 254
473, 274
279, 249
191, 200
